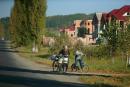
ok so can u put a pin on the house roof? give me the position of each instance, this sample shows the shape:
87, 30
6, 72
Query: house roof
113, 11
104, 16
118, 13
69, 28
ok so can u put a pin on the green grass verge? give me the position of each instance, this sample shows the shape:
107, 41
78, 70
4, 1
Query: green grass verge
40, 57
95, 64
107, 66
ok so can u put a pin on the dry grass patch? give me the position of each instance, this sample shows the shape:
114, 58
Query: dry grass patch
100, 81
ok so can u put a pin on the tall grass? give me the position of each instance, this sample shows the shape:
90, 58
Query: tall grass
106, 65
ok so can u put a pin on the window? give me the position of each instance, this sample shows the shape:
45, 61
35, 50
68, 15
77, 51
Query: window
128, 13
88, 23
71, 35
88, 30
121, 24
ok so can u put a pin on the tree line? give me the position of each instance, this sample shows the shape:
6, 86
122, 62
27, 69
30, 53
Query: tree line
4, 24
62, 21
55, 22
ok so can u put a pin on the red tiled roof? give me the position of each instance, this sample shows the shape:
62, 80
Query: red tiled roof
113, 11
118, 13
124, 9
70, 28
61, 30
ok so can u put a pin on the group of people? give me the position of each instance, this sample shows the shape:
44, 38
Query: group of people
78, 57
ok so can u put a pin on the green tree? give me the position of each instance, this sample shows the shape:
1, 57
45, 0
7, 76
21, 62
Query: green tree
124, 40
27, 21
60, 21
1, 30
82, 31
5, 23
60, 41
110, 34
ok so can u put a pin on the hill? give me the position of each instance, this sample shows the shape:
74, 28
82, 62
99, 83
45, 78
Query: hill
60, 21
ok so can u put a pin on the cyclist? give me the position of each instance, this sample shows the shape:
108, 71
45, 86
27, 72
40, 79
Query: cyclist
65, 53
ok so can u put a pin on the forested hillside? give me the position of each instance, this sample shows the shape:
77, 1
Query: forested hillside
59, 21
5, 23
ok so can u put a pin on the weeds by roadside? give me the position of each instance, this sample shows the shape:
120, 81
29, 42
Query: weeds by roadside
99, 81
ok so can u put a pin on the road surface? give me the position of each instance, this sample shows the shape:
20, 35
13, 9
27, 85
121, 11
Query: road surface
16, 71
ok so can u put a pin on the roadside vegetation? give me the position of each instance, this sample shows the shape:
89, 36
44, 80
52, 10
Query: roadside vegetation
96, 64
102, 81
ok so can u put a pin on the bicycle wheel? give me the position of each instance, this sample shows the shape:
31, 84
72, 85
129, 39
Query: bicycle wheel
86, 68
60, 68
55, 66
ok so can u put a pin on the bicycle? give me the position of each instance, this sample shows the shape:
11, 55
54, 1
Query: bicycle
75, 68
55, 63
60, 63
55, 59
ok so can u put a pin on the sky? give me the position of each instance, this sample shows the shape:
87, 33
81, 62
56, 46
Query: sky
5, 8
57, 7
65, 7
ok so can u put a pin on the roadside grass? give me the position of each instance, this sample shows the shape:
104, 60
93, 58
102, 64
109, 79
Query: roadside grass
41, 57
103, 65
98, 81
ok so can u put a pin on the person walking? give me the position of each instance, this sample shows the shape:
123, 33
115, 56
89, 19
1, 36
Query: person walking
78, 59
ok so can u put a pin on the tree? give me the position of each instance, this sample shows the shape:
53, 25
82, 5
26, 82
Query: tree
27, 21
60, 41
5, 24
124, 40
82, 31
1, 30
111, 36
60, 21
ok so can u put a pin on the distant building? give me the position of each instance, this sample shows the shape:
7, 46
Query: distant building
99, 22
72, 31
97, 25
120, 16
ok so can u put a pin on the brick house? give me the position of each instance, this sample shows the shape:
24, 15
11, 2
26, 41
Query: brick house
72, 31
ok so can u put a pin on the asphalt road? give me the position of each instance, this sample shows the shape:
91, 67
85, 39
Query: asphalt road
21, 72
